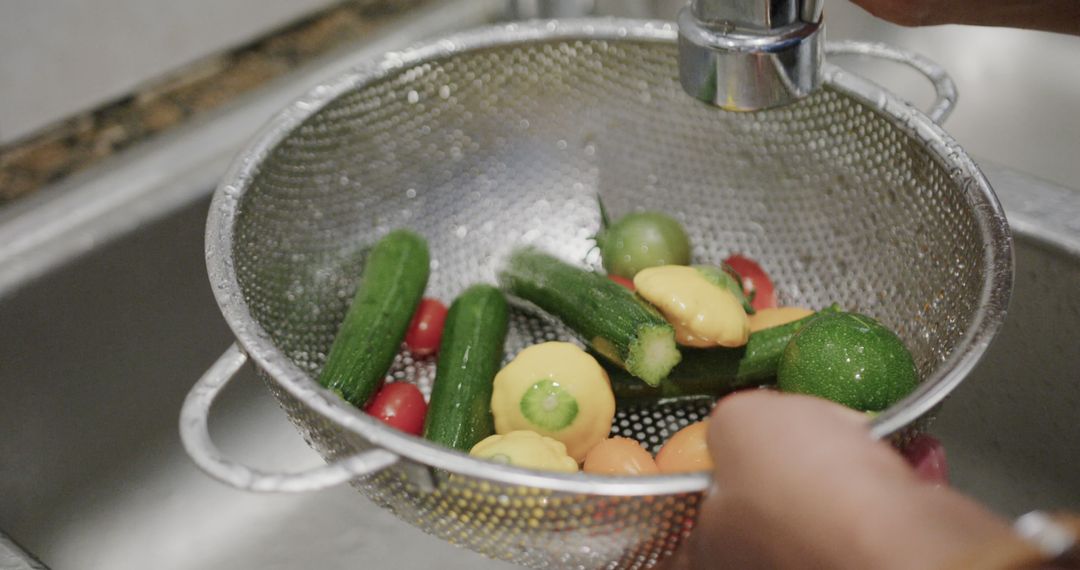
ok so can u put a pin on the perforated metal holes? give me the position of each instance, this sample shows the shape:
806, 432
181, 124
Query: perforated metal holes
510, 143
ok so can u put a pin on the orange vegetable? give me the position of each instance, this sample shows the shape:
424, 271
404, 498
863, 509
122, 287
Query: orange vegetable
686, 451
619, 456
776, 316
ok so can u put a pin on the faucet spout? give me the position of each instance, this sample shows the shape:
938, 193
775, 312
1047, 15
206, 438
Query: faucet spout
747, 55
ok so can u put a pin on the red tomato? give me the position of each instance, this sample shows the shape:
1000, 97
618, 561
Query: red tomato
622, 281
754, 281
400, 405
926, 454
425, 330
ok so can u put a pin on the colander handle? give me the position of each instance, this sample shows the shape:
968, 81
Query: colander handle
195, 435
944, 87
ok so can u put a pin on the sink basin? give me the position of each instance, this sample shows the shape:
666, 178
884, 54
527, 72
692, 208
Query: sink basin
96, 356
108, 321
94, 474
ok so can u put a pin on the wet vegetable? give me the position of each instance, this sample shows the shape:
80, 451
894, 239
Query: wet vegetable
395, 274
471, 352
704, 314
755, 281
526, 449
614, 322
400, 405
558, 390
927, 456
776, 316
848, 358
640, 240
686, 451
619, 456
426, 328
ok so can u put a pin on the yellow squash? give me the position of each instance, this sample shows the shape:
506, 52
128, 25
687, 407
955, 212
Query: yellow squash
776, 316
704, 314
557, 390
525, 449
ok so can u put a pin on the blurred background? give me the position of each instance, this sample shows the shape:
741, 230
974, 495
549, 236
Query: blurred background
83, 80
117, 118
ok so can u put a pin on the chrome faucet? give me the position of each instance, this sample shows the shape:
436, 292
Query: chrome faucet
746, 55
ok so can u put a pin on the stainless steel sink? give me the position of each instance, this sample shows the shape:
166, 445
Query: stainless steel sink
107, 319
95, 359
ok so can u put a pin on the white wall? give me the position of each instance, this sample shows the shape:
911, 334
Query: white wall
59, 57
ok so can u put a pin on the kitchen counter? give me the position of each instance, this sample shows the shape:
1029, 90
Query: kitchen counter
207, 84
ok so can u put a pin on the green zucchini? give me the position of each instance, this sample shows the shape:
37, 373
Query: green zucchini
610, 318
393, 280
717, 371
459, 413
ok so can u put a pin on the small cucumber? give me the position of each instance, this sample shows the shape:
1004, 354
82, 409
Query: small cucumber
716, 371
459, 413
393, 280
614, 322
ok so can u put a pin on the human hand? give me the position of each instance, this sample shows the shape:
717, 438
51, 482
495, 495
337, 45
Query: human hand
1049, 15
799, 483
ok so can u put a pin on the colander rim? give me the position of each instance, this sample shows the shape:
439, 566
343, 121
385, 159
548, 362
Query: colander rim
256, 342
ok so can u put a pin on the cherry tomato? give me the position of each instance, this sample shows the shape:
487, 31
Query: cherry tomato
619, 456
400, 405
927, 455
685, 451
622, 281
425, 330
755, 281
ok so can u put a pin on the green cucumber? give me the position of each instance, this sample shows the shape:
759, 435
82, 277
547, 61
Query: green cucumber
717, 371
459, 413
393, 280
610, 318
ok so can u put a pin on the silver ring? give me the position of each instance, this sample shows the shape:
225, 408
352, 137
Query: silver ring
1041, 531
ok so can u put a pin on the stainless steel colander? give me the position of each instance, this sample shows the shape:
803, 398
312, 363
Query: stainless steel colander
505, 136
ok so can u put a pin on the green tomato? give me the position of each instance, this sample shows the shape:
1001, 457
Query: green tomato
640, 240
848, 358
